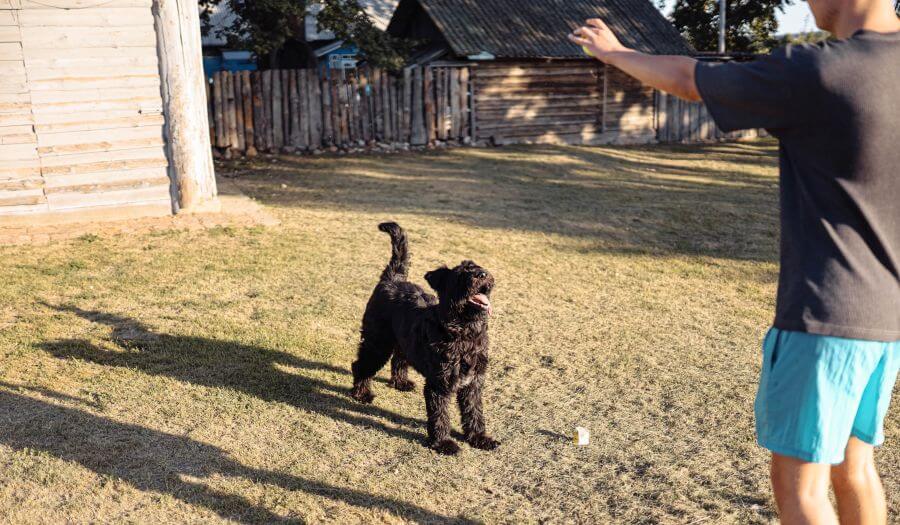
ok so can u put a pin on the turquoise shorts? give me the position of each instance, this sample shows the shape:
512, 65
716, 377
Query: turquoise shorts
816, 391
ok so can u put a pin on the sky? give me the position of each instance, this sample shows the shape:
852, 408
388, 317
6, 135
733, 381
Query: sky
795, 19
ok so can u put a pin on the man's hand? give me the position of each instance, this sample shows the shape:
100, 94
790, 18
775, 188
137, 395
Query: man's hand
597, 38
672, 74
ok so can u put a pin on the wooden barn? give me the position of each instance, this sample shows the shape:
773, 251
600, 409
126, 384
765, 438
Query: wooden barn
529, 83
102, 110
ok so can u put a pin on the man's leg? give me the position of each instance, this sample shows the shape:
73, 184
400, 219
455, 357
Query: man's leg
858, 488
801, 491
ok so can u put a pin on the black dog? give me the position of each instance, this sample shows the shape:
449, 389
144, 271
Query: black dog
444, 338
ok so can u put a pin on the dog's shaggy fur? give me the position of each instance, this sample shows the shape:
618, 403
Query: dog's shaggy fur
444, 338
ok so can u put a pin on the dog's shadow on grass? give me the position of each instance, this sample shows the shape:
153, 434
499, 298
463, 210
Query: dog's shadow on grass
267, 374
162, 463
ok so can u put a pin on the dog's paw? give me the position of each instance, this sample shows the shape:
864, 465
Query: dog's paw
403, 385
363, 395
483, 442
447, 447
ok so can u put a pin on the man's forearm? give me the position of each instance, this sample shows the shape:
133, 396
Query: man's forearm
670, 73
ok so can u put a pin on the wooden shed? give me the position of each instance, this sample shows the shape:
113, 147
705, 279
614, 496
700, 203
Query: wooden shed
529, 83
102, 110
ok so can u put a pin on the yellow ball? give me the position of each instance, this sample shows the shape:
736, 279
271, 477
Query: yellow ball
587, 51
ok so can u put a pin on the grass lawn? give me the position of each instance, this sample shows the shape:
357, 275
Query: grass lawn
202, 376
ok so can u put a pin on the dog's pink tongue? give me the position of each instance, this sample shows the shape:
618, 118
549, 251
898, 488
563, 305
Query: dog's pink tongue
483, 300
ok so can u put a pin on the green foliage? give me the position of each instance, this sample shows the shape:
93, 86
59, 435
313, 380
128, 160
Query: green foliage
752, 24
264, 26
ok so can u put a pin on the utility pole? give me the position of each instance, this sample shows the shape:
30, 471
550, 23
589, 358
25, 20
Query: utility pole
723, 11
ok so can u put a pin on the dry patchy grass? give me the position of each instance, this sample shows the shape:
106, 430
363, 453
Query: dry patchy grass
202, 376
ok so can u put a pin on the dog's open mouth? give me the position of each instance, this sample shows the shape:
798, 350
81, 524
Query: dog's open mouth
481, 301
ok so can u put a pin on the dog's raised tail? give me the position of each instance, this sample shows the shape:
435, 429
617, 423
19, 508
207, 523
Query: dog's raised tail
398, 268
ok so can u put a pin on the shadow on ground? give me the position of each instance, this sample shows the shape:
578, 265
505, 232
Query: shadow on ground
618, 199
156, 461
163, 463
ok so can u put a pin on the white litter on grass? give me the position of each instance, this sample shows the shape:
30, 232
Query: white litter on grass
582, 436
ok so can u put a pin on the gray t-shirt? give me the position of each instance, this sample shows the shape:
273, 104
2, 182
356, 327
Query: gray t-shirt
835, 108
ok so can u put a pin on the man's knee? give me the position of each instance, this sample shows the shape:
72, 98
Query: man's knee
797, 481
858, 468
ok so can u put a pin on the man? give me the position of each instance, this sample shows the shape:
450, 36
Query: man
832, 357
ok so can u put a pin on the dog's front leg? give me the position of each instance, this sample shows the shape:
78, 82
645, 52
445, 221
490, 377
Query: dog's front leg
470, 408
437, 401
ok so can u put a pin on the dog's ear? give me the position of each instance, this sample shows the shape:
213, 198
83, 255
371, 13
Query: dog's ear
437, 279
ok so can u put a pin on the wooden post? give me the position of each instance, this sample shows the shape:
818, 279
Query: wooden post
239, 112
249, 133
277, 113
259, 128
286, 105
406, 135
335, 109
219, 101
293, 97
464, 101
454, 104
315, 109
418, 111
473, 105
428, 93
327, 121
366, 121
188, 147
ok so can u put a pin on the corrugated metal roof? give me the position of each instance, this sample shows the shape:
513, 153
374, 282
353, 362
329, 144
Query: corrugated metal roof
538, 28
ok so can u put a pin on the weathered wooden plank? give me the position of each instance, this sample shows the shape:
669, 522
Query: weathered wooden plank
34, 38
314, 90
68, 200
219, 111
455, 111
104, 161
277, 110
63, 138
18, 151
11, 51
240, 143
21, 197
286, 105
9, 34
130, 81
428, 89
130, 121
46, 98
266, 126
101, 146
87, 5
97, 17
15, 119
230, 109
293, 98
356, 127
82, 74
105, 181
259, 130
38, 55
327, 112
303, 93
248, 102
74, 65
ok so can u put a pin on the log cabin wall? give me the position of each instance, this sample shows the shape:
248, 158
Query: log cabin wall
81, 122
572, 102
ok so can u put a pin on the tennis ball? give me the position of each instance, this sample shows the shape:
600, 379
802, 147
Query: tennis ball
587, 51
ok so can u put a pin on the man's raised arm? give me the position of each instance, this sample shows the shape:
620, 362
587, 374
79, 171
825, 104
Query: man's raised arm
672, 73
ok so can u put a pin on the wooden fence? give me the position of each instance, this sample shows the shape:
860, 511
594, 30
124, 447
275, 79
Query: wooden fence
690, 122
300, 110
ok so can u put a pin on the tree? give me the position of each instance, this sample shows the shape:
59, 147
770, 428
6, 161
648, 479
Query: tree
752, 24
265, 26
